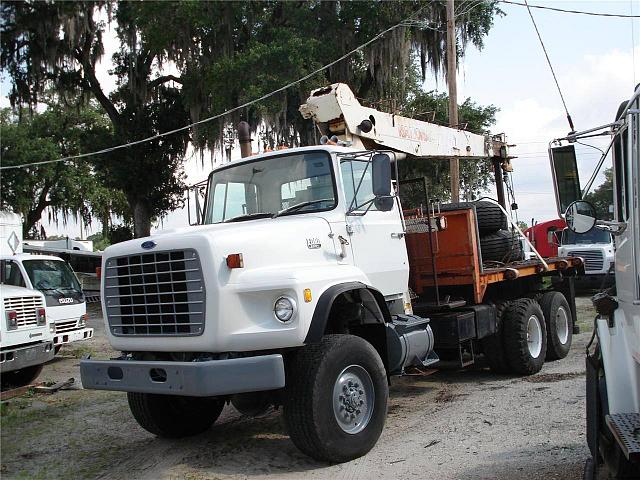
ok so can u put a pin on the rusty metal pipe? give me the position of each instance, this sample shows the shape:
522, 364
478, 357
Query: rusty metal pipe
244, 137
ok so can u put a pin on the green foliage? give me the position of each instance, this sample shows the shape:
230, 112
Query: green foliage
67, 189
226, 53
602, 197
522, 225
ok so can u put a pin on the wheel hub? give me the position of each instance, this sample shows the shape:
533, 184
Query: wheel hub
562, 325
353, 399
534, 336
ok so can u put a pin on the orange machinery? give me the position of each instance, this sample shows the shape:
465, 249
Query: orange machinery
457, 258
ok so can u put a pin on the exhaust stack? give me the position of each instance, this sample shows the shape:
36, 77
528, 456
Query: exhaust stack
244, 136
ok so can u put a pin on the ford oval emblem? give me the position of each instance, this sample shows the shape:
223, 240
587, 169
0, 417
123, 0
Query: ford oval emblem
148, 245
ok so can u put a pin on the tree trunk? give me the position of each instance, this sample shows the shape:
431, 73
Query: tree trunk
141, 219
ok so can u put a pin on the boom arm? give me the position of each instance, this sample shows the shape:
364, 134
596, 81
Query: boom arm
367, 128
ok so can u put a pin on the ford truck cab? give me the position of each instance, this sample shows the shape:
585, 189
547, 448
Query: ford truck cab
66, 306
293, 289
26, 335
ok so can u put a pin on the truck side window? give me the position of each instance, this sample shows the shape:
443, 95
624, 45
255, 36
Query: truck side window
352, 172
11, 274
621, 176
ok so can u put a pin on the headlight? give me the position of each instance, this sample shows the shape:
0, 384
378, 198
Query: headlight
83, 320
284, 308
52, 327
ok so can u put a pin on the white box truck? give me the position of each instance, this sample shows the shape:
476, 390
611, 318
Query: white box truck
26, 336
66, 306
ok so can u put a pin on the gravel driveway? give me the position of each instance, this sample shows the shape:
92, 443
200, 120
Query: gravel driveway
449, 425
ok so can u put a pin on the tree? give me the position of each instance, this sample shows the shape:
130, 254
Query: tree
602, 197
59, 44
65, 189
226, 54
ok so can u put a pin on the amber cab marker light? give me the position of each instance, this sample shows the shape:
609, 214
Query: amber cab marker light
235, 260
307, 295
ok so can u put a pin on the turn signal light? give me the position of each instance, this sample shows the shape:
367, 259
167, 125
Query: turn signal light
307, 295
12, 320
42, 316
235, 260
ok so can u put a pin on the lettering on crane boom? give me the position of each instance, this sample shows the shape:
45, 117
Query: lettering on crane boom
412, 133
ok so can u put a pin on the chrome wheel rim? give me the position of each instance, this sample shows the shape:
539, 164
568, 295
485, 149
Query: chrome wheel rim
562, 325
353, 399
534, 336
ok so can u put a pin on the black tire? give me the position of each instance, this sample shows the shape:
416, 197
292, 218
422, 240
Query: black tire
173, 416
22, 377
490, 217
555, 309
516, 318
589, 470
501, 246
492, 346
312, 374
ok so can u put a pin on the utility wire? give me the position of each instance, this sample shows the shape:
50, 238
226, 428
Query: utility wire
579, 12
544, 49
407, 22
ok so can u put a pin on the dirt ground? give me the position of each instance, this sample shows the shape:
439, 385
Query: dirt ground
467, 424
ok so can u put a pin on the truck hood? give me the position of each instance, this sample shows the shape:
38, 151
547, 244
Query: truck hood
263, 243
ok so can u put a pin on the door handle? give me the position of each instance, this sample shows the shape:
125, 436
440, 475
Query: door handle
343, 246
398, 235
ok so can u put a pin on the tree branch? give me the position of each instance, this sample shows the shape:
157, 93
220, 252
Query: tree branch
164, 79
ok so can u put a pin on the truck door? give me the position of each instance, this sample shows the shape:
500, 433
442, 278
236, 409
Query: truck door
376, 237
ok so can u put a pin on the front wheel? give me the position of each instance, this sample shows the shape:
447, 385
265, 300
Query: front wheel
22, 377
336, 399
174, 416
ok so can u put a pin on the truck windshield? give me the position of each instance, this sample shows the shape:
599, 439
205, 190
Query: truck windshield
594, 236
289, 184
52, 277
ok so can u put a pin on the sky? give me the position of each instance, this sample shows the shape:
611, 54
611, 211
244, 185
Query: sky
597, 63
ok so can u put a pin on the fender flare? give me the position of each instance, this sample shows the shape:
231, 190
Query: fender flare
323, 308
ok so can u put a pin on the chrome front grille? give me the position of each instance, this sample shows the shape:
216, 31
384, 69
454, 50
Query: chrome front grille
593, 259
26, 309
66, 326
159, 294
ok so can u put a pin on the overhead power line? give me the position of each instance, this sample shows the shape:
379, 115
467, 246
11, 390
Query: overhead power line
563, 10
544, 49
408, 22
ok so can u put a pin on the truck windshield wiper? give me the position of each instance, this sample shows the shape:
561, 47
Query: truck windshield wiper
300, 205
247, 216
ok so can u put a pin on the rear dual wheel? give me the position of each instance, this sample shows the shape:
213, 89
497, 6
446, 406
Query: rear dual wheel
525, 336
559, 323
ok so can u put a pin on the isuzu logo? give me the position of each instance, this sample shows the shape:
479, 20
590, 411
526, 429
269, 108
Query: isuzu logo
148, 245
65, 300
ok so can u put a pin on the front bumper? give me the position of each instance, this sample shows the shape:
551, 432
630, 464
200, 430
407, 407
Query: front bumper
73, 336
198, 379
22, 357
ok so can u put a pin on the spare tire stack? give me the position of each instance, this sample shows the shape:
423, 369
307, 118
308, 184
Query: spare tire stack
497, 242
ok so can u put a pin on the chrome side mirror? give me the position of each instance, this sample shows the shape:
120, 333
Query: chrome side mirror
580, 216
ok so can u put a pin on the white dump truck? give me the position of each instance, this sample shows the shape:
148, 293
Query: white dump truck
26, 336
66, 306
305, 285
613, 356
